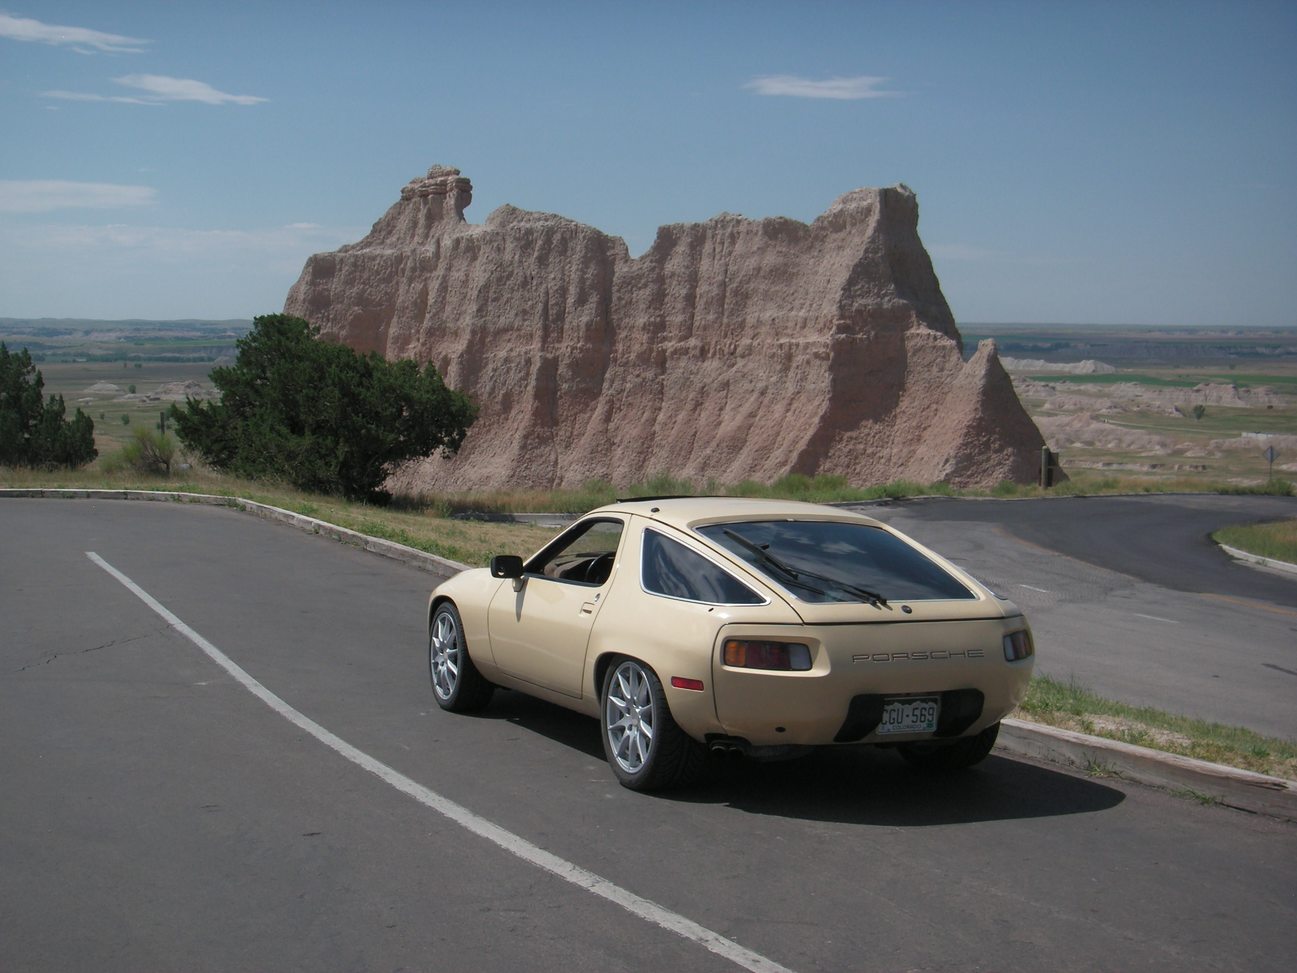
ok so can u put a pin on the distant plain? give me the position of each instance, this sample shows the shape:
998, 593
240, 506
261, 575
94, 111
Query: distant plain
1138, 422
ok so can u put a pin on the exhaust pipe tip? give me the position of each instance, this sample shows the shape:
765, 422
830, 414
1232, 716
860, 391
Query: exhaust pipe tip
731, 749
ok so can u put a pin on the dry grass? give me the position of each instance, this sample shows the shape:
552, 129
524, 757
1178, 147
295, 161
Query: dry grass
1071, 707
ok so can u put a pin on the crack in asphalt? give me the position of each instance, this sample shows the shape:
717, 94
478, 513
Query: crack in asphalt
94, 648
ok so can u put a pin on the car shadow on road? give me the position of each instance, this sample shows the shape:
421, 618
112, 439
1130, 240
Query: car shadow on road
561, 725
846, 785
869, 786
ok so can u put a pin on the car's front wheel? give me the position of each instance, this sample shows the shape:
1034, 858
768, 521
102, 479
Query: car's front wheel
456, 683
645, 747
953, 754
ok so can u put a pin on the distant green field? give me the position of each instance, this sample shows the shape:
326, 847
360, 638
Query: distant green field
107, 341
1216, 421
1286, 383
1142, 348
196, 350
1134, 378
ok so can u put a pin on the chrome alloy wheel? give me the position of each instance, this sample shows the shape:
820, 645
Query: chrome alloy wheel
630, 716
444, 654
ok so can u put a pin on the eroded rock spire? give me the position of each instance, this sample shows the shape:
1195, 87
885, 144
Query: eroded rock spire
731, 350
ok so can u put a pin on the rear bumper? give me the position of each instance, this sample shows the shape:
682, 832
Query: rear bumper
856, 668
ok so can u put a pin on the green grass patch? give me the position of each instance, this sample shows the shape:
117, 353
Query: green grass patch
1072, 707
1175, 379
595, 493
1280, 383
485, 504
1116, 378
1216, 422
1276, 540
1268, 488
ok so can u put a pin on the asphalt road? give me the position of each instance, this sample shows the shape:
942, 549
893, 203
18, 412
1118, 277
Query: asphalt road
155, 815
1130, 597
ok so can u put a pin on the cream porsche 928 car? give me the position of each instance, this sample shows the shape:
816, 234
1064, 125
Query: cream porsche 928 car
688, 625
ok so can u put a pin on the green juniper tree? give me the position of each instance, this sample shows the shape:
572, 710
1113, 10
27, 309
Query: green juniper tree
35, 431
318, 415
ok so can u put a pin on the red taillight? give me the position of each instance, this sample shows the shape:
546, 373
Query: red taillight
762, 654
680, 682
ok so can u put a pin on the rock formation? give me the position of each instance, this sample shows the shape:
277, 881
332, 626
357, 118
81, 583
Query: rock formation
733, 349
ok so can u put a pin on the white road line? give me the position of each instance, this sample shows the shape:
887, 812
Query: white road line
510, 842
1156, 618
1032, 587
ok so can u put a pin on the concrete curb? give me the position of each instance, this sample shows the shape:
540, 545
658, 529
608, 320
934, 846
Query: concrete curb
375, 545
1285, 566
1242, 789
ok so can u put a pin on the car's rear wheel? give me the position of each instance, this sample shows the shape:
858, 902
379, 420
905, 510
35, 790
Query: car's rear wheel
644, 745
456, 683
952, 754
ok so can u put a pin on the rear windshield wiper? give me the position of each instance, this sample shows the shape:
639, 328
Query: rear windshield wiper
864, 594
768, 559
763, 554
788, 571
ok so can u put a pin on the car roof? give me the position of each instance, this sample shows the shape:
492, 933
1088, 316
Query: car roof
685, 512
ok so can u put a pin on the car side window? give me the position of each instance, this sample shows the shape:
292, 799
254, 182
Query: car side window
584, 554
670, 569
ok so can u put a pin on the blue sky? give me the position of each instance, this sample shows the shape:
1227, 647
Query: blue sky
1086, 162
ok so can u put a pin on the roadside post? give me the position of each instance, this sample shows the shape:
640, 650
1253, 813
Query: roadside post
1048, 464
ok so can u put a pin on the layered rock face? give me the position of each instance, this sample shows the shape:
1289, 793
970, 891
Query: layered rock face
733, 349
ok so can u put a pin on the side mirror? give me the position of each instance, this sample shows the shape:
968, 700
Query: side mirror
506, 566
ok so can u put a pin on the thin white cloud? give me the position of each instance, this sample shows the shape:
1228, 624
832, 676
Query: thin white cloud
86, 96
47, 195
124, 271
295, 241
80, 38
837, 89
160, 88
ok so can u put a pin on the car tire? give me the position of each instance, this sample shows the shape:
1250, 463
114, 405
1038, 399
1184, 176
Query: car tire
644, 745
456, 684
952, 755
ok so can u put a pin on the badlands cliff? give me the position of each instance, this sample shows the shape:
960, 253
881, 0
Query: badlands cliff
733, 349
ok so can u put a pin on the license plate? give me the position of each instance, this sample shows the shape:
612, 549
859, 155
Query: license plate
911, 714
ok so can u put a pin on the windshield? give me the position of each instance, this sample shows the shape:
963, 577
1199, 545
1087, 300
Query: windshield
824, 561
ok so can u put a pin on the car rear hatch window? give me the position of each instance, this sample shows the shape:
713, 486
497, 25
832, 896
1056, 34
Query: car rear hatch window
831, 561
